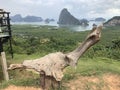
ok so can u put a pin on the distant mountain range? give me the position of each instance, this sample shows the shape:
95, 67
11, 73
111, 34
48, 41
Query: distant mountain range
66, 18
19, 18
99, 19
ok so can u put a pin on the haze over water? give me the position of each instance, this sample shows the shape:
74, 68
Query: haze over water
75, 28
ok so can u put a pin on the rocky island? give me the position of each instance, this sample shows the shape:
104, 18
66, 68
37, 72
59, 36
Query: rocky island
19, 18
66, 19
100, 19
30, 18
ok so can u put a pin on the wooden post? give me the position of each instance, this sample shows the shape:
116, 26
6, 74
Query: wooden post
4, 66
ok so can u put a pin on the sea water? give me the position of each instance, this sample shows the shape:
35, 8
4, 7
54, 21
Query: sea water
75, 28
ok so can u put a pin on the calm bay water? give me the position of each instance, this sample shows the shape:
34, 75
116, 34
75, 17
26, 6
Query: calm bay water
75, 28
84, 28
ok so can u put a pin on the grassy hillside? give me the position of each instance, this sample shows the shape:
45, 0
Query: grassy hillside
30, 42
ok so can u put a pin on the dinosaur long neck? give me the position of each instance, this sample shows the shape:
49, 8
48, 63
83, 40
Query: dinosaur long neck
80, 50
92, 38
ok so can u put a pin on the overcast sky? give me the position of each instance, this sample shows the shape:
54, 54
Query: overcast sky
52, 8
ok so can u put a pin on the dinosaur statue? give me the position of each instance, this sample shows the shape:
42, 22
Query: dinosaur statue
51, 66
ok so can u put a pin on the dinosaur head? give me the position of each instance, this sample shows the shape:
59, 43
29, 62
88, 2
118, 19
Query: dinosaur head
15, 66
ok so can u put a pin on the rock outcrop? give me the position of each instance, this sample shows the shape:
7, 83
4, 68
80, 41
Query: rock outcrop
115, 21
66, 18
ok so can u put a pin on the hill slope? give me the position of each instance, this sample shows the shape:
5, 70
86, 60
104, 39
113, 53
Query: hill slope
115, 21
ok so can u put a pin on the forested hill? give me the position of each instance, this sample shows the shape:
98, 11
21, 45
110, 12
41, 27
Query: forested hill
115, 21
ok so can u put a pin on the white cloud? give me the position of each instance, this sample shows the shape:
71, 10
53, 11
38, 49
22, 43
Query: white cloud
49, 4
69, 7
52, 8
113, 12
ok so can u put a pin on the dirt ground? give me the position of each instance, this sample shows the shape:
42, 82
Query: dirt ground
21, 88
104, 82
